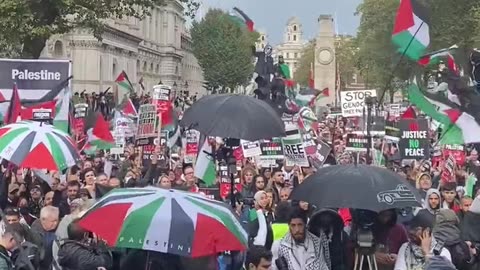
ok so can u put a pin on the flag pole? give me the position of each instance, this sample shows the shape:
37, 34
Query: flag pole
392, 75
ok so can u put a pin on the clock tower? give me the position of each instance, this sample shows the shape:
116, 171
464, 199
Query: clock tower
325, 64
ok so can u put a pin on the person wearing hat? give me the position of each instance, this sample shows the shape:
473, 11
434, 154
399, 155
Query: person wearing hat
421, 247
36, 201
12, 197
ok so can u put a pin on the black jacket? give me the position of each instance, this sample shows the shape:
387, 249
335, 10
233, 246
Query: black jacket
75, 255
26, 257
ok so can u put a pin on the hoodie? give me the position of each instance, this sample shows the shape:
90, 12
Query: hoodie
337, 237
427, 210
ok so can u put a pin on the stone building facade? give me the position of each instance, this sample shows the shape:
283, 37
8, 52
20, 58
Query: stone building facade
153, 50
293, 44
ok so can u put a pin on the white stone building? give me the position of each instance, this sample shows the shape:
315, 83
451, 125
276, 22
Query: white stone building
156, 49
293, 44
262, 40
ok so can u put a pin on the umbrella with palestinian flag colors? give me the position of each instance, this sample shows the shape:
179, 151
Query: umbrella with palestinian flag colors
36, 145
167, 221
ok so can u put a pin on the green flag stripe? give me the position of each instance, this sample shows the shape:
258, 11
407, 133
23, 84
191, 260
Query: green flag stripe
224, 217
126, 86
419, 100
11, 135
210, 174
415, 50
56, 152
133, 232
101, 144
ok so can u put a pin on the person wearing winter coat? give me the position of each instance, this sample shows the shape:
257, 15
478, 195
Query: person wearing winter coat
470, 231
78, 254
329, 223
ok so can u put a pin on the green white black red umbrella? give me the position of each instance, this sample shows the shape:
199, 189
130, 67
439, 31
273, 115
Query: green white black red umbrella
167, 221
37, 145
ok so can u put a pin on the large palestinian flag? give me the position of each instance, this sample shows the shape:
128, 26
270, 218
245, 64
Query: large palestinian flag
459, 127
411, 31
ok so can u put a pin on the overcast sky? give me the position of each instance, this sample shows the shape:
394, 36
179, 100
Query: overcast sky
272, 15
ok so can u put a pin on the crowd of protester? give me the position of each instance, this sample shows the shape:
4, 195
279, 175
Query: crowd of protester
40, 229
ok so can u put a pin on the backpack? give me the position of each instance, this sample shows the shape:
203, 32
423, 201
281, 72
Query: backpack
460, 253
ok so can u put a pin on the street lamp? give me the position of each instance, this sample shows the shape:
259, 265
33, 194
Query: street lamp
174, 88
369, 102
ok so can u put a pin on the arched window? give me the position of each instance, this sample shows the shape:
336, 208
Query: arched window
294, 37
114, 69
294, 28
58, 49
263, 38
144, 66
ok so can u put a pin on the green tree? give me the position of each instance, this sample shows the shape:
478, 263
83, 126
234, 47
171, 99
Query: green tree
346, 57
27, 24
223, 50
304, 63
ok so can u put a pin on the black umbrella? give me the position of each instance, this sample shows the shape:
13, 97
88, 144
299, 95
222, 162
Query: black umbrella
234, 116
357, 186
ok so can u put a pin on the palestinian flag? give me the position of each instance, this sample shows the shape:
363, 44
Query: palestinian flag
285, 72
435, 58
98, 132
459, 127
127, 108
307, 97
205, 166
411, 31
124, 85
241, 19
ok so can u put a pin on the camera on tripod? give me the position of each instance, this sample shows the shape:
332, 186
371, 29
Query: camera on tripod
362, 234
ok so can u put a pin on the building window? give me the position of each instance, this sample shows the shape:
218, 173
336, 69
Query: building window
263, 38
295, 64
58, 49
295, 55
294, 28
288, 55
263, 46
288, 37
294, 37
144, 66
114, 69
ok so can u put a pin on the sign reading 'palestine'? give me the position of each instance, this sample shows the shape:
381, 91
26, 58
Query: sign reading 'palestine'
414, 140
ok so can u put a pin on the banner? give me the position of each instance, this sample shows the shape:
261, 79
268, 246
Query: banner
457, 151
353, 102
392, 132
191, 146
251, 149
323, 149
147, 121
414, 140
356, 142
293, 149
34, 77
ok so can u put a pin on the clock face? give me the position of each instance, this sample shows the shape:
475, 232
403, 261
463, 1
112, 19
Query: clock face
325, 56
